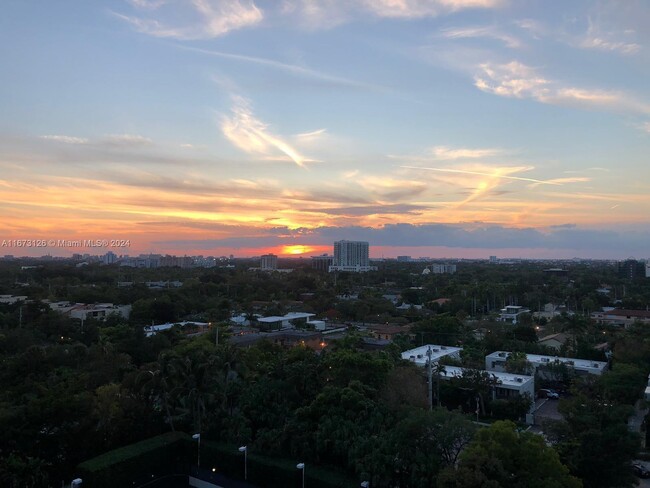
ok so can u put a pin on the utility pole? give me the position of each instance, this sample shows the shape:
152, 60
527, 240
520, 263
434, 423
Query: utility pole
430, 371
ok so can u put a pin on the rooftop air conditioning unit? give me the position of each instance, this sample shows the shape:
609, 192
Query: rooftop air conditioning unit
435, 349
419, 356
596, 365
519, 380
502, 354
412, 358
444, 348
545, 360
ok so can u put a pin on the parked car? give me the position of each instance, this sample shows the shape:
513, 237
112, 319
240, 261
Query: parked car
548, 393
640, 470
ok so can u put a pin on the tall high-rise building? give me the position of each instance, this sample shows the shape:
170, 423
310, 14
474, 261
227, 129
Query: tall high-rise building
269, 261
351, 256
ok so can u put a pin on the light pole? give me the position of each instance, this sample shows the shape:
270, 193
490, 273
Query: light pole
429, 367
197, 438
244, 449
301, 466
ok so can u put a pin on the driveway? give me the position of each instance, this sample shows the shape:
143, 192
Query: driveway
546, 409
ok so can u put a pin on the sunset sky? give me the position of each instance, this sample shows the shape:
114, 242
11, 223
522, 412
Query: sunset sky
442, 128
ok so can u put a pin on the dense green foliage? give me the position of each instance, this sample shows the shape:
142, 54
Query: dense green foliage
70, 392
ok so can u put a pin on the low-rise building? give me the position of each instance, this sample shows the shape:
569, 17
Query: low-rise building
83, 311
420, 355
506, 385
512, 314
621, 317
196, 327
11, 299
555, 341
287, 321
99, 311
387, 331
497, 362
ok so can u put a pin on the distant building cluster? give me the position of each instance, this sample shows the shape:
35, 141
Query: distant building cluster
159, 261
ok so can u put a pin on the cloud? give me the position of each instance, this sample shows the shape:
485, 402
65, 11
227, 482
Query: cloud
603, 39
498, 173
516, 80
601, 44
365, 210
448, 153
252, 136
289, 68
214, 18
66, 139
312, 134
148, 4
127, 140
481, 32
325, 14
386, 187
477, 236
109, 140
424, 8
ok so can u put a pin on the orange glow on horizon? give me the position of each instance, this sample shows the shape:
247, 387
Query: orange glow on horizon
297, 249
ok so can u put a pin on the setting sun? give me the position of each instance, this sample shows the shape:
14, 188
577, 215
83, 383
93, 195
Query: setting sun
297, 249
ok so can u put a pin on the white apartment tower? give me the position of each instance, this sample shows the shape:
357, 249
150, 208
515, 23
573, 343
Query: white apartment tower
351, 256
269, 262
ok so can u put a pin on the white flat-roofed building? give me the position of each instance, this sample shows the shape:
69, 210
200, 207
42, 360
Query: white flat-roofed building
419, 354
154, 329
497, 362
506, 385
285, 321
11, 299
99, 311
512, 313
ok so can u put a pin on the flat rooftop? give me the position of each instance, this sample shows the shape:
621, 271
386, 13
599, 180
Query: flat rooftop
537, 359
419, 354
505, 379
290, 316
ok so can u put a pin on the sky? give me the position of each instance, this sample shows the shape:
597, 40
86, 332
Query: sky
440, 128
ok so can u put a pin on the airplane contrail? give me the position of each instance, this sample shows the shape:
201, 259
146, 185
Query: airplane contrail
479, 173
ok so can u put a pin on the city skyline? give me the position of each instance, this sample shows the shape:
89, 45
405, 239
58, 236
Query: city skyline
442, 128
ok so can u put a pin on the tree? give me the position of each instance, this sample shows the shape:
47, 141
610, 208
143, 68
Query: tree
623, 383
517, 363
594, 440
501, 457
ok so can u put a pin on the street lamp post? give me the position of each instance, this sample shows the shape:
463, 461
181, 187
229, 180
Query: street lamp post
197, 438
301, 466
430, 371
244, 449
